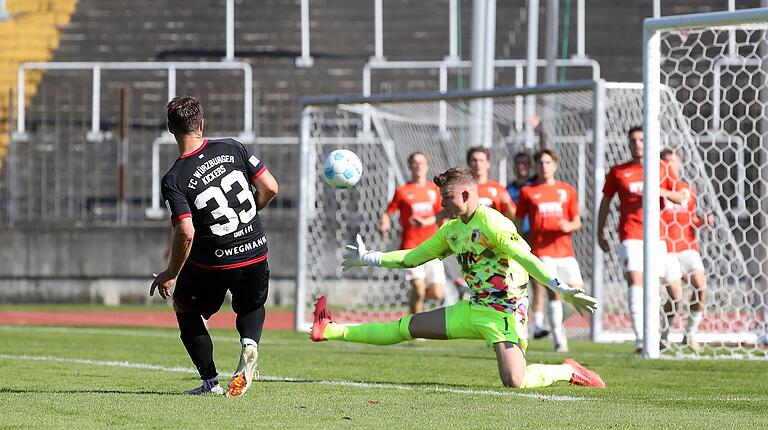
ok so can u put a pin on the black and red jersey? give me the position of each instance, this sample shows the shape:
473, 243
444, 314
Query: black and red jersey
213, 186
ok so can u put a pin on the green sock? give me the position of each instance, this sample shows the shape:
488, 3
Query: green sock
371, 333
542, 375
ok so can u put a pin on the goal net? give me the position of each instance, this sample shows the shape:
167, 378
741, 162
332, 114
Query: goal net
707, 99
383, 131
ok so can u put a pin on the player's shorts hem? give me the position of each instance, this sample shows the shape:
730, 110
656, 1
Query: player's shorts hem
631, 254
565, 268
432, 272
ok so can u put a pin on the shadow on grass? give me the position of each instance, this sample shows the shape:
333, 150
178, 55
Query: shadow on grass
4, 390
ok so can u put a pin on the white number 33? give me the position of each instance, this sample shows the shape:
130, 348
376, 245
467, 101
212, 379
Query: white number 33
222, 209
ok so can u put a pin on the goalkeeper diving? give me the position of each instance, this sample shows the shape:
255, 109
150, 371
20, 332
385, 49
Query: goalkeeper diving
496, 263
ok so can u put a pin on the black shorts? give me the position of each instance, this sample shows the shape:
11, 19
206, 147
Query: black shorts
202, 291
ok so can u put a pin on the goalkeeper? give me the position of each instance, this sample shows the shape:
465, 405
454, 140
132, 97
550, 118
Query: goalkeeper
496, 263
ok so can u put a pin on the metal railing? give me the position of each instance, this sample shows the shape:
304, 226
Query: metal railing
96, 68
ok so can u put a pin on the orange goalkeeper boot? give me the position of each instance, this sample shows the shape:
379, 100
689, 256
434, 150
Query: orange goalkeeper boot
583, 376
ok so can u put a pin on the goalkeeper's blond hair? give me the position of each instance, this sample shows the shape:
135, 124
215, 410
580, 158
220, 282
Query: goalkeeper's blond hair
455, 176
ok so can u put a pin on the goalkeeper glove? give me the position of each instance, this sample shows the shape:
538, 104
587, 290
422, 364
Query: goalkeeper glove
359, 256
575, 296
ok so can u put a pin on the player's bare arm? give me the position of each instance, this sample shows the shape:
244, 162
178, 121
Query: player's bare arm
181, 244
569, 226
385, 224
673, 196
266, 189
602, 216
422, 221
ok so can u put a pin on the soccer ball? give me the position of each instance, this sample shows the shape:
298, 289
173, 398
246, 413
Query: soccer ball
342, 169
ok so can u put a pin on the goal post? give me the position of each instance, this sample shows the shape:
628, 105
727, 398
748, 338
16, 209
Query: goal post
383, 130
705, 78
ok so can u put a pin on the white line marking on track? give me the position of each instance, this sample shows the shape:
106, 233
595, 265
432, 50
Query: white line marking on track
146, 366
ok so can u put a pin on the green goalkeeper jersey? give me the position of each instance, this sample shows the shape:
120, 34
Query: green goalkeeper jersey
495, 260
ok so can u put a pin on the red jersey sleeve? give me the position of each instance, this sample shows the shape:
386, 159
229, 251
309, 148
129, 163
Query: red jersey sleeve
573, 204
506, 199
395, 203
523, 204
611, 186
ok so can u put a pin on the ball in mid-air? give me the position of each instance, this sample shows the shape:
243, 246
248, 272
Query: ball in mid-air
342, 169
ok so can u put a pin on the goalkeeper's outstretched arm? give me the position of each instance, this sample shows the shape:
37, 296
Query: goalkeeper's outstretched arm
512, 245
359, 256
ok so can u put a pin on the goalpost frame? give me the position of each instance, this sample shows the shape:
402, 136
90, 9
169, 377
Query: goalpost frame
652, 28
307, 175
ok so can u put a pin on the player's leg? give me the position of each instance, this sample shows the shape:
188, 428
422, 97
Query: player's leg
693, 265
435, 279
631, 252
539, 293
386, 333
507, 333
416, 276
673, 282
192, 302
249, 288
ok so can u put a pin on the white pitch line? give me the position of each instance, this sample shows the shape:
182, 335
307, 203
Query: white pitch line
343, 383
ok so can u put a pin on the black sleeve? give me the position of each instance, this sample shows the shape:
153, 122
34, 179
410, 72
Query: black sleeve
253, 166
175, 200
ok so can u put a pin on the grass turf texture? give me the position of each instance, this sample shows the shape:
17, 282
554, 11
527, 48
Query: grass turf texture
433, 384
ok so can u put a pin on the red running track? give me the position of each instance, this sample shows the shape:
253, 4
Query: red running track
274, 320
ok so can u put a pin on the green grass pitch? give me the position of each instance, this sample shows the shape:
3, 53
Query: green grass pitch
59, 377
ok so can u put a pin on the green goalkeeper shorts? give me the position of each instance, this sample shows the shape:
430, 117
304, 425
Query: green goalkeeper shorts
467, 320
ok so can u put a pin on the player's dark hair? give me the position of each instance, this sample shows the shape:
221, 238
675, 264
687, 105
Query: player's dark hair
184, 114
474, 149
667, 152
524, 155
414, 154
634, 129
455, 176
549, 152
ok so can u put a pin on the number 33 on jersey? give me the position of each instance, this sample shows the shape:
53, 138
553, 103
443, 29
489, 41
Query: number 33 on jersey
213, 186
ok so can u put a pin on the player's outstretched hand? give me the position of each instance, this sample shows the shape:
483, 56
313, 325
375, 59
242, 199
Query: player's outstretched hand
353, 255
575, 296
581, 301
163, 282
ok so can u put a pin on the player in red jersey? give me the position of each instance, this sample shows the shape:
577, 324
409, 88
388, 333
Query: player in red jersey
626, 180
490, 192
419, 203
553, 210
683, 257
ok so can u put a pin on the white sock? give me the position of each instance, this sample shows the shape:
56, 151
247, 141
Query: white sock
635, 299
694, 319
556, 322
538, 320
248, 341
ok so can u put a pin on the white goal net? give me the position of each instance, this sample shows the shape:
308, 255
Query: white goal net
708, 100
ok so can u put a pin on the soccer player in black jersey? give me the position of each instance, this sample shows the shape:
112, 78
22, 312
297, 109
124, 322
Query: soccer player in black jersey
218, 242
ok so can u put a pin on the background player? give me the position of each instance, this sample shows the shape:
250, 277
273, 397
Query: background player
218, 242
496, 262
418, 202
683, 257
553, 209
490, 192
626, 180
